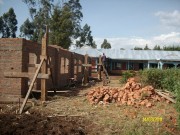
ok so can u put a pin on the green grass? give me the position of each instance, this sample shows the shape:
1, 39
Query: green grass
114, 119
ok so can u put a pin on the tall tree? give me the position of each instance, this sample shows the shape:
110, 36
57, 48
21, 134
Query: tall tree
75, 7
8, 24
85, 37
157, 47
61, 27
64, 20
40, 12
105, 44
27, 29
146, 47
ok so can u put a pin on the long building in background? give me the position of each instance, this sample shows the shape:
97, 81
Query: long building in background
120, 60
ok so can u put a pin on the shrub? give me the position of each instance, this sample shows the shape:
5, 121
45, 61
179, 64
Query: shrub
177, 88
126, 75
168, 79
164, 79
152, 77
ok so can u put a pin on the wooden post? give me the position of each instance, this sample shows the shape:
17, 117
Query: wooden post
86, 69
99, 68
31, 86
44, 65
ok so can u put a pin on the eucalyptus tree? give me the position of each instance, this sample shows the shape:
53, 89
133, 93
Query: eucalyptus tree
8, 24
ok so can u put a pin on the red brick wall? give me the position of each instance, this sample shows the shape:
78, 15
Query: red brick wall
17, 54
10, 61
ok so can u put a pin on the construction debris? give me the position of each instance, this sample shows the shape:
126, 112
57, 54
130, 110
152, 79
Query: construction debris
131, 94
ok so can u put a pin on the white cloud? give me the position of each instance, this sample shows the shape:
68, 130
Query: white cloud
1, 2
169, 19
172, 38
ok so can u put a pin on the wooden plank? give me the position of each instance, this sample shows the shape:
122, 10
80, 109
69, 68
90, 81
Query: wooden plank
31, 86
168, 98
43, 76
17, 74
86, 65
25, 75
33, 65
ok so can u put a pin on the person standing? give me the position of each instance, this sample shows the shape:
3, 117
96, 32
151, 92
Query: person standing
103, 58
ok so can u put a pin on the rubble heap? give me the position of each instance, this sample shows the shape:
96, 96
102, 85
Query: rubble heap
131, 94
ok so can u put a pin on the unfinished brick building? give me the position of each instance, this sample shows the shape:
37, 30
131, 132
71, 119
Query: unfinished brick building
20, 56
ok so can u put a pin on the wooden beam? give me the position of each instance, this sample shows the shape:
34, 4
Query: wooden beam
165, 96
17, 74
33, 65
44, 65
99, 68
43, 76
86, 69
25, 75
31, 86
86, 65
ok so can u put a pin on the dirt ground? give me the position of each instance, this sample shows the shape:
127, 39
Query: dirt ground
69, 113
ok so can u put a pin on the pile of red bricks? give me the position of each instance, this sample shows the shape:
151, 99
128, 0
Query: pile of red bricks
131, 94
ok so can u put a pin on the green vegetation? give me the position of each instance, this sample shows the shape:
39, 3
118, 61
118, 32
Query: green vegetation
168, 79
106, 44
8, 24
64, 21
126, 75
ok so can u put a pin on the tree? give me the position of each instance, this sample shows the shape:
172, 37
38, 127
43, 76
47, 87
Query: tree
137, 48
8, 24
61, 27
1, 24
75, 8
105, 44
146, 47
85, 37
157, 47
171, 48
27, 29
94, 45
64, 21
40, 12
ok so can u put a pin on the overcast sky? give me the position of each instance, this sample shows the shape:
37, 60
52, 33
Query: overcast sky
124, 23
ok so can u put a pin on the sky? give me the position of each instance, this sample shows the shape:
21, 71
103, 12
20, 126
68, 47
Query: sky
124, 23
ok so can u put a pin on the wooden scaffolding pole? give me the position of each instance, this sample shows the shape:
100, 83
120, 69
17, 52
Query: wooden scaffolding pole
44, 65
31, 86
99, 68
86, 69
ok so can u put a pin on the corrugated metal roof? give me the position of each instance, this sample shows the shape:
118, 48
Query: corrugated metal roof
131, 54
88, 50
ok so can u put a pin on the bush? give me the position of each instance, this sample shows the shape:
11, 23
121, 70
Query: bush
168, 79
126, 75
177, 88
163, 79
152, 77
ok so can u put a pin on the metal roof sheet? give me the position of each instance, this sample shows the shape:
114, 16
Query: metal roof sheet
130, 54
92, 52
